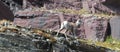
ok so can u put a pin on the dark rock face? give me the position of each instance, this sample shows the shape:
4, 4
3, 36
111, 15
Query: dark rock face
8, 43
113, 3
115, 30
5, 12
13, 5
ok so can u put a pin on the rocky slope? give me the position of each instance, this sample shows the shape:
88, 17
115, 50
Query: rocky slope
20, 39
17, 39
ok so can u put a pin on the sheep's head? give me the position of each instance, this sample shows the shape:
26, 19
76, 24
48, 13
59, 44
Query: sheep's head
78, 22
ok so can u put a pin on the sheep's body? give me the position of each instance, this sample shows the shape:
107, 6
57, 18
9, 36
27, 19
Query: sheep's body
69, 26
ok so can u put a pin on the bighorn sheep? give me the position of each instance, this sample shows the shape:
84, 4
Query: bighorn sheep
69, 26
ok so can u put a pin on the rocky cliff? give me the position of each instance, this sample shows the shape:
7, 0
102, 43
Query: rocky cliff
37, 21
20, 39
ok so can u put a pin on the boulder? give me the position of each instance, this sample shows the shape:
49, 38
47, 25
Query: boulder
115, 29
95, 28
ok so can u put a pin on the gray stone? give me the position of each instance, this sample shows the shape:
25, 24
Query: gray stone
115, 27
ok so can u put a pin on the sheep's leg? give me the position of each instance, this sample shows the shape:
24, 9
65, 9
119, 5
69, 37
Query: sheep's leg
74, 32
66, 34
58, 32
61, 28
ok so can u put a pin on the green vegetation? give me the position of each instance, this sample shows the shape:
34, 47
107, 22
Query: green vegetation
82, 11
71, 11
109, 43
